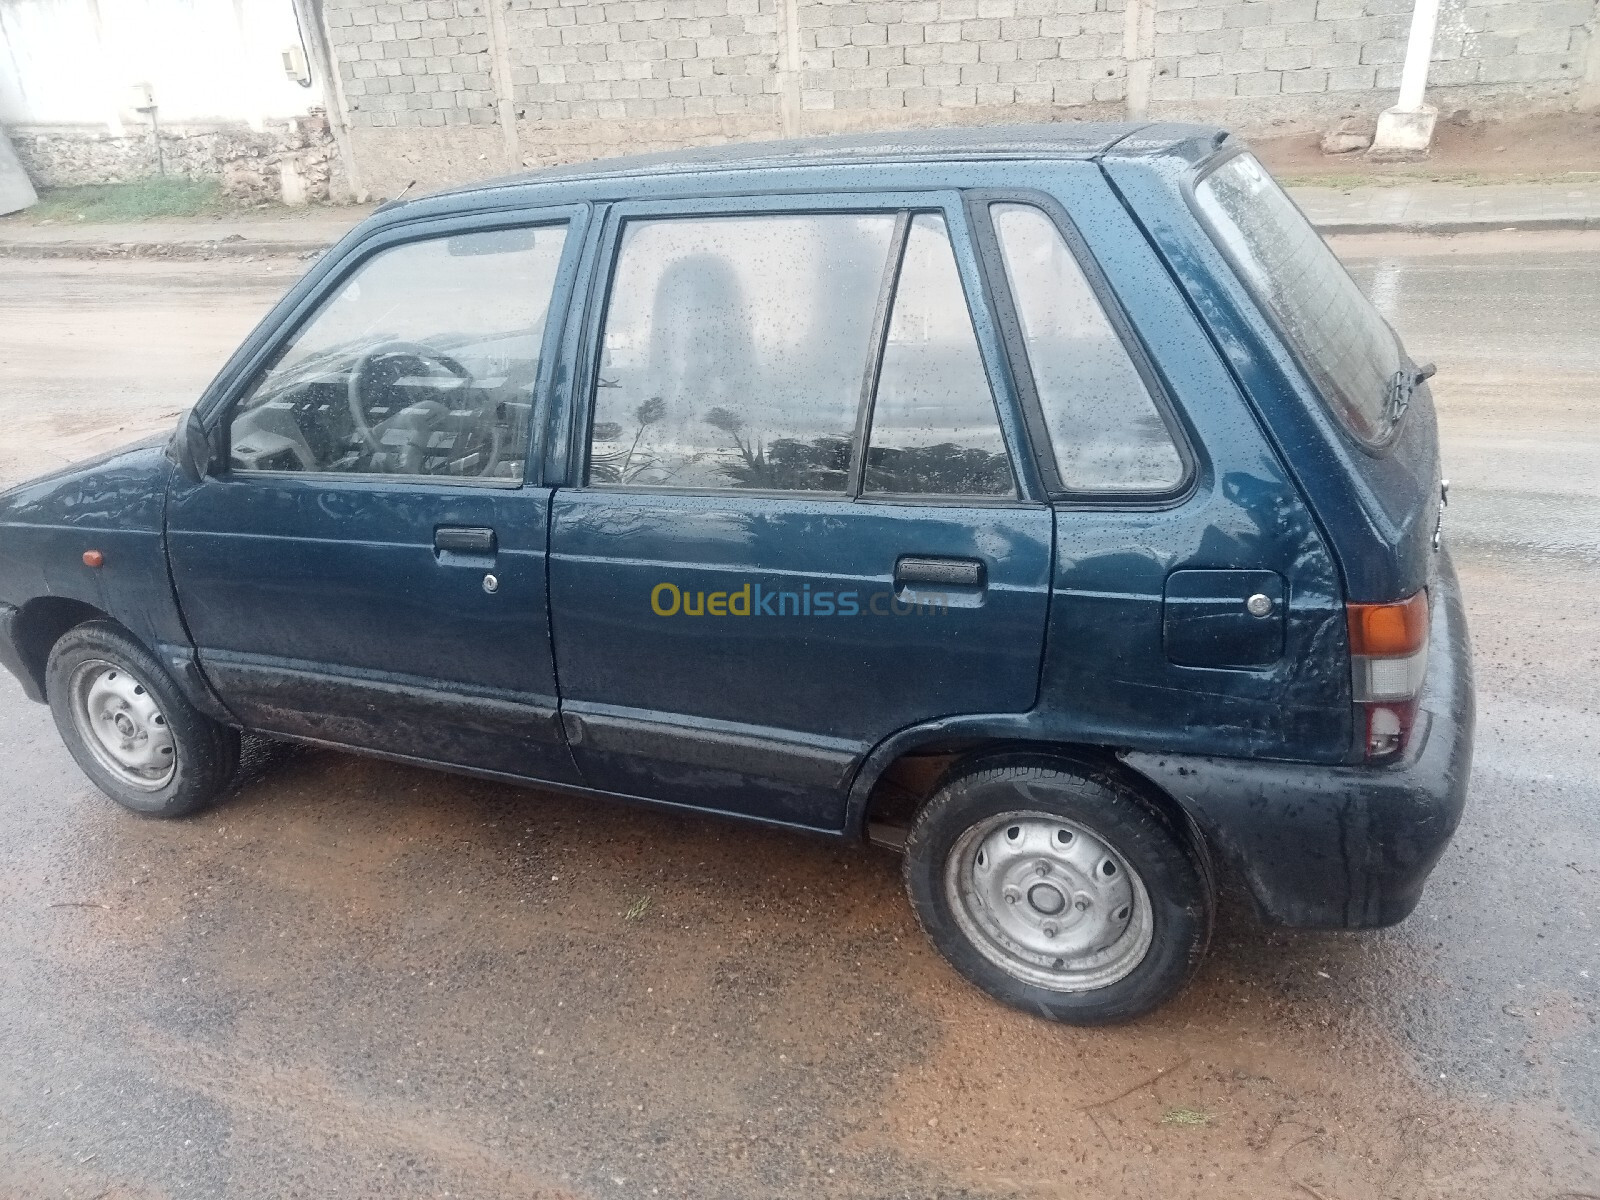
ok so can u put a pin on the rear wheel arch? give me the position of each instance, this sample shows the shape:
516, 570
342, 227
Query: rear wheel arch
891, 806
932, 764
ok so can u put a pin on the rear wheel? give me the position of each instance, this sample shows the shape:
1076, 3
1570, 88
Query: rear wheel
130, 728
1058, 889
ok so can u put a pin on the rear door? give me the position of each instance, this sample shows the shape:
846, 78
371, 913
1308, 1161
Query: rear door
796, 525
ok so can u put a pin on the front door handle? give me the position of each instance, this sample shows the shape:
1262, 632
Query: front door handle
464, 539
928, 571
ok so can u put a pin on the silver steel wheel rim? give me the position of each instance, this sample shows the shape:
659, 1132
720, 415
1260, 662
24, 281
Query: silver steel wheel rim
122, 725
1048, 901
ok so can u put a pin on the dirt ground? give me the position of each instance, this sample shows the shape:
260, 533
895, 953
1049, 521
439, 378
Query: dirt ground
1464, 151
361, 979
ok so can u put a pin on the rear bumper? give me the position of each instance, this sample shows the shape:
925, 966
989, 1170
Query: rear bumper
1343, 846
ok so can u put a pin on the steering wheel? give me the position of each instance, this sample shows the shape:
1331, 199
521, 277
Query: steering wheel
356, 388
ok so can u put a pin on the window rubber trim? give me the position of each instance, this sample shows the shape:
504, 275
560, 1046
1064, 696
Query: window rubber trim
992, 261
888, 292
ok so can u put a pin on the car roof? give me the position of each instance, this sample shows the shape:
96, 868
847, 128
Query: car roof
1065, 139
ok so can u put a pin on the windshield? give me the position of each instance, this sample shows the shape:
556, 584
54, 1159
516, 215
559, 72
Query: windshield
1349, 350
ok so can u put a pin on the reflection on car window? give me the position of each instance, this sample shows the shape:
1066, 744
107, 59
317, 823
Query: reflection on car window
934, 427
423, 363
1106, 431
1348, 348
734, 350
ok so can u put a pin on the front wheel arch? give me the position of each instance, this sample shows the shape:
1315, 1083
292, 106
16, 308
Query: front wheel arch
39, 625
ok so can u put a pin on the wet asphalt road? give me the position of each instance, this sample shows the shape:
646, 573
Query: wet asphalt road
354, 978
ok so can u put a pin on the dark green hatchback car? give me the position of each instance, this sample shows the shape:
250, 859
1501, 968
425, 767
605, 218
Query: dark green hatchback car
1047, 503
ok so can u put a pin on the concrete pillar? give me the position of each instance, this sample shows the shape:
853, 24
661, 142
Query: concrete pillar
292, 183
789, 70
323, 65
1138, 53
1406, 130
1589, 89
504, 91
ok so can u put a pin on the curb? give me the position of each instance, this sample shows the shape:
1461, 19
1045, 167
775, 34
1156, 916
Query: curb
241, 248
246, 248
1449, 228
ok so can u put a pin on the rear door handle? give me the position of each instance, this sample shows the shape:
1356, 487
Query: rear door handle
939, 572
464, 539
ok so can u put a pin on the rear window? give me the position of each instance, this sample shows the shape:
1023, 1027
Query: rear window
1348, 349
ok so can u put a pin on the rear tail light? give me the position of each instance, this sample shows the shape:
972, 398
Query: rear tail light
1388, 658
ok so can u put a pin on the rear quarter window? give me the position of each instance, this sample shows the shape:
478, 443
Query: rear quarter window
1105, 430
1345, 346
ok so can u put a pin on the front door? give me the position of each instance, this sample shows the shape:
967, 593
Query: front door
798, 525
369, 569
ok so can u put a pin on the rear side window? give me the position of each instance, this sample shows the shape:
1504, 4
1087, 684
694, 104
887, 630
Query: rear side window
1104, 426
934, 426
1347, 348
735, 349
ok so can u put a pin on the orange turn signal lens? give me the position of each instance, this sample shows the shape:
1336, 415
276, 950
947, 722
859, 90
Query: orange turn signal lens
1389, 630
93, 558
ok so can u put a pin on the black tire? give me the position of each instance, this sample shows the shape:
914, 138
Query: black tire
1097, 802
205, 753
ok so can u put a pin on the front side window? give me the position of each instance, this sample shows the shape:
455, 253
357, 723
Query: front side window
1104, 426
1348, 349
934, 426
422, 363
734, 351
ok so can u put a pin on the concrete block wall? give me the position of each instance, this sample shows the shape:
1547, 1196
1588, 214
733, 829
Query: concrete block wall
1257, 63
913, 59
590, 76
423, 63
429, 86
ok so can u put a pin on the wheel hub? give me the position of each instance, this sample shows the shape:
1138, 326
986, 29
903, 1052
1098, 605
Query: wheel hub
1049, 901
1046, 900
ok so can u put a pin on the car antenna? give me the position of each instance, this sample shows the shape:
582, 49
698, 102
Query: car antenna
398, 198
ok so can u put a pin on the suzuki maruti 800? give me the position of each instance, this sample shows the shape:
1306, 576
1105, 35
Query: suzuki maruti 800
1046, 502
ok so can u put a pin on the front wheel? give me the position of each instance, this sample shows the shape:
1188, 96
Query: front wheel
130, 728
1058, 889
